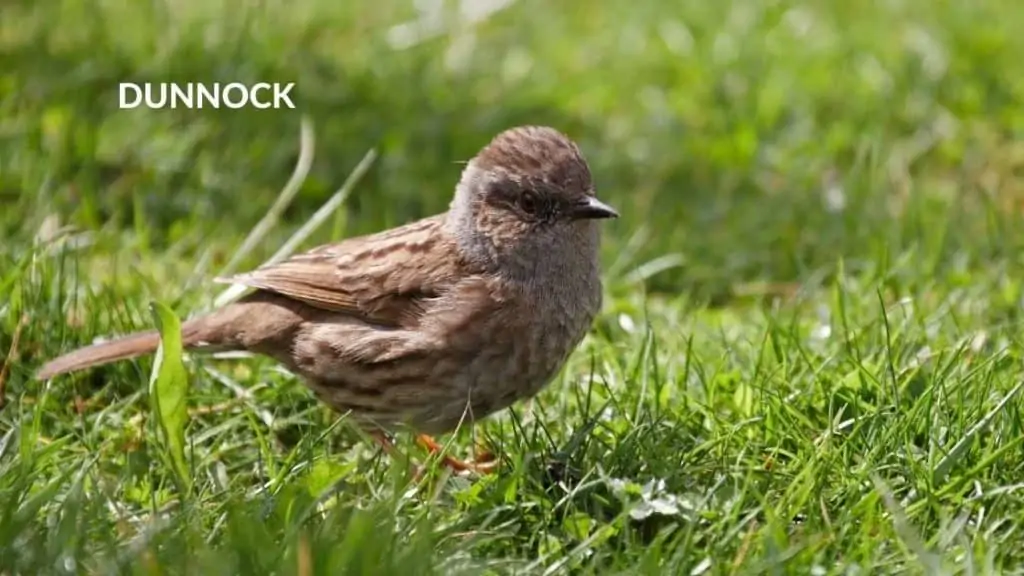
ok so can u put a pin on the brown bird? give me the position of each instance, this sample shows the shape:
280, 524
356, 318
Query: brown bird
433, 323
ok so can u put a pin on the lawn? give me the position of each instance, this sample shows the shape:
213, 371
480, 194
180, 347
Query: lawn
808, 358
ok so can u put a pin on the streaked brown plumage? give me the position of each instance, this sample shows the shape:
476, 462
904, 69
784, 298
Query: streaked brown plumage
440, 321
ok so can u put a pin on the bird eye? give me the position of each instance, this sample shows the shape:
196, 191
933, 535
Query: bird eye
528, 202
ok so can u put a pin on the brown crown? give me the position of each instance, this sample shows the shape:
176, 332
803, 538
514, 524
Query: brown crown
537, 153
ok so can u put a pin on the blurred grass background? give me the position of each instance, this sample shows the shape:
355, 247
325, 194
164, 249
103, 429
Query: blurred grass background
756, 150
795, 131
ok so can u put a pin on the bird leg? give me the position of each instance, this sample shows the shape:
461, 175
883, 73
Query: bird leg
385, 442
485, 464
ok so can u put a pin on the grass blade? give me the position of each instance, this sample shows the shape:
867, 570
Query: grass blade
960, 448
169, 390
309, 227
284, 199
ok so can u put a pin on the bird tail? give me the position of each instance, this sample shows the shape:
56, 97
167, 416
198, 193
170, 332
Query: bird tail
124, 348
261, 322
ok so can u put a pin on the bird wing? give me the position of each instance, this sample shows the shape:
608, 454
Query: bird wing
387, 278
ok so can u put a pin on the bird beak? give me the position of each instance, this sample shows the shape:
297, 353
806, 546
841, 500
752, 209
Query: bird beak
592, 208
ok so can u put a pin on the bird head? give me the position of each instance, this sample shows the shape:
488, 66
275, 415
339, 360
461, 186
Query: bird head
528, 196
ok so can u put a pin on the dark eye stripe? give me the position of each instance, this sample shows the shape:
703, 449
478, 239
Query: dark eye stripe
504, 193
509, 195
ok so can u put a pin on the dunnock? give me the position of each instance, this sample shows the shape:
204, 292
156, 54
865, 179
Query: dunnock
452, 317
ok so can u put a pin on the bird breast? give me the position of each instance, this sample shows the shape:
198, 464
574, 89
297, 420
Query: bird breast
529, 342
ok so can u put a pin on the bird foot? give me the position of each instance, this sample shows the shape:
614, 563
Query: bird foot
485, 463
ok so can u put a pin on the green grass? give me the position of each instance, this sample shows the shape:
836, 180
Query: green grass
808, 360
